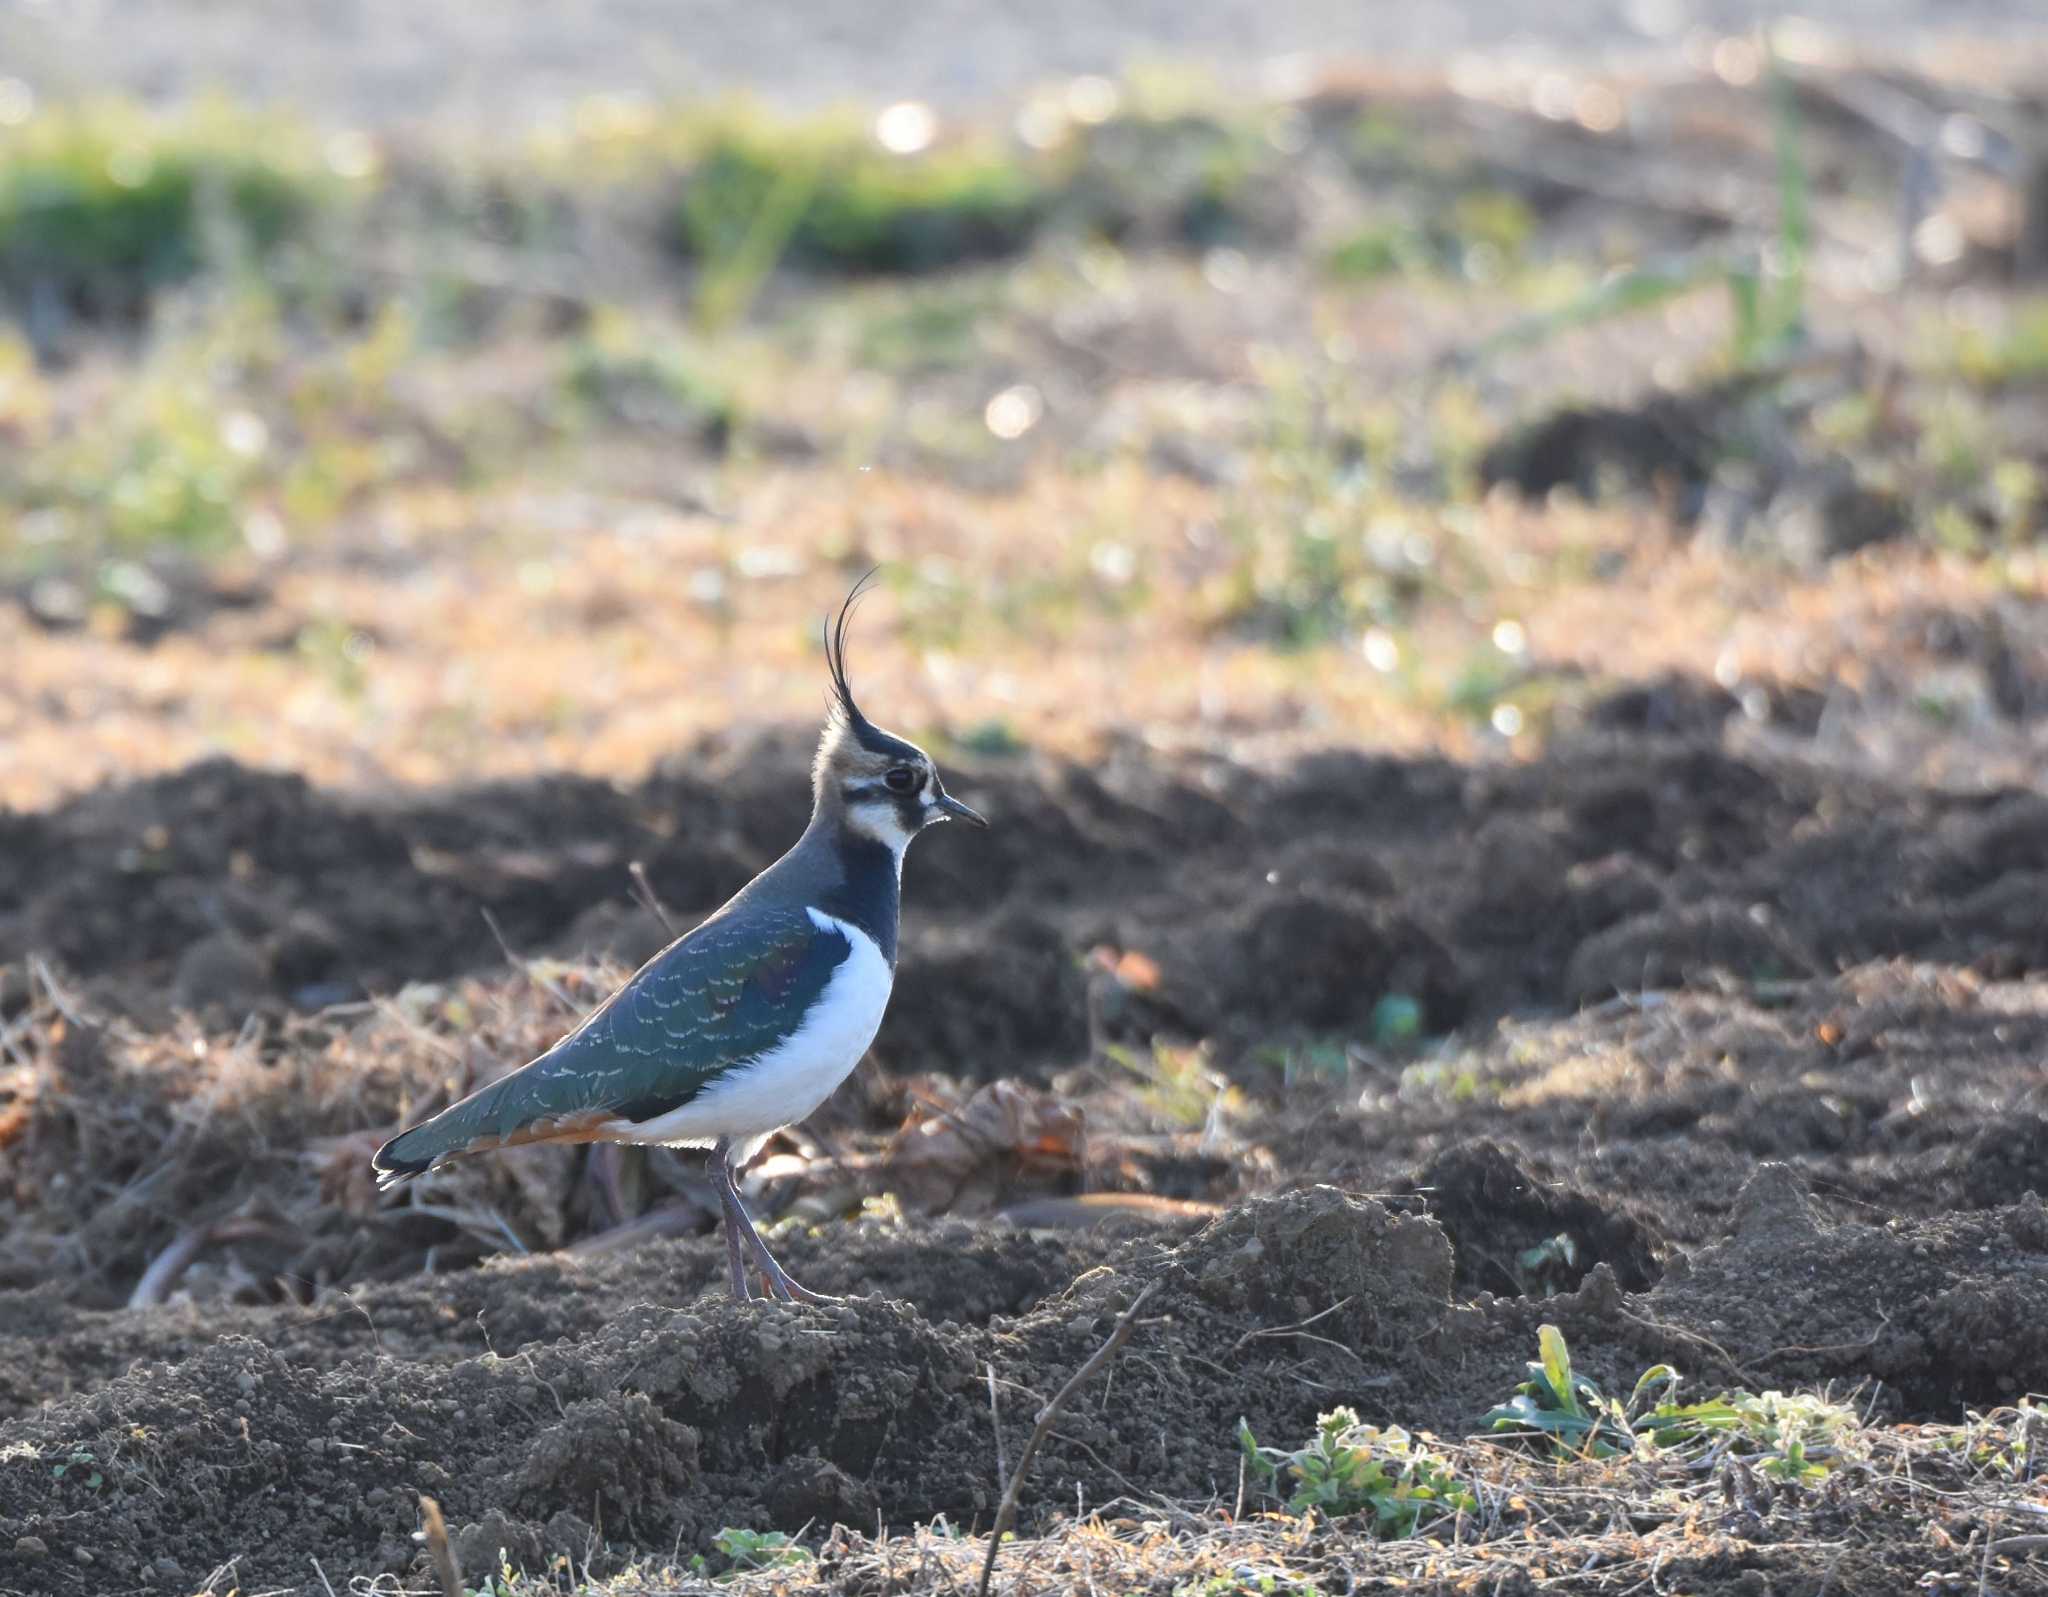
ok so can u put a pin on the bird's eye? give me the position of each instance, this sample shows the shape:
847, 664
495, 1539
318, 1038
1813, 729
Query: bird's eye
900, 778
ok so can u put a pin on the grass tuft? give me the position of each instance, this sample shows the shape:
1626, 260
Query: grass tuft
105, 203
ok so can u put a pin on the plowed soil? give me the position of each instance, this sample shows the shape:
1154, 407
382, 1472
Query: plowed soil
1762, 1040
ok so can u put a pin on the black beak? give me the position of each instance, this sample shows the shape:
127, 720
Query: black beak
949, 808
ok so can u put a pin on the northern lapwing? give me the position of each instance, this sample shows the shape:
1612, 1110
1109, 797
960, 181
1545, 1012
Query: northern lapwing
747, 1023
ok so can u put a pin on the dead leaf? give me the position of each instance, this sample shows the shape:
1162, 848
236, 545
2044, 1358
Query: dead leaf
966, 1156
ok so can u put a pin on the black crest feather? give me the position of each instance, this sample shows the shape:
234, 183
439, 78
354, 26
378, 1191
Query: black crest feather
835, 651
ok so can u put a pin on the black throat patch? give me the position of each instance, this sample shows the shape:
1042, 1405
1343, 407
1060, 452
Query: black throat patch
867, 893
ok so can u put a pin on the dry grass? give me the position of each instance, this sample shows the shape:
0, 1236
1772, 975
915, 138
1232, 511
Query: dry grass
1947, 1507
135, 1156
599, 636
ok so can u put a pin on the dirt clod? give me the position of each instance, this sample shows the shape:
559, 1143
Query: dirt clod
1514, 1231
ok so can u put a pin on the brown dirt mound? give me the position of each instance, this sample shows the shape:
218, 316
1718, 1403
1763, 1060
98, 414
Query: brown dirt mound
663, 1423
1894, 1090
1517, 1233
1608, 865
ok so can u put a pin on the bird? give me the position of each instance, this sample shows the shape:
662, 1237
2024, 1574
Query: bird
746, 1023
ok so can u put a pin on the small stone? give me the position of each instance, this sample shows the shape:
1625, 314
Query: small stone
245, 1383
83, 1555
31, 1547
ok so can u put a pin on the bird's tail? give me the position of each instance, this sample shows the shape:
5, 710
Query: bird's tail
410, 1153
513, 1110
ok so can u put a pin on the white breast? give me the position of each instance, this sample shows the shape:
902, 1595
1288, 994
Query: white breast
785, 1084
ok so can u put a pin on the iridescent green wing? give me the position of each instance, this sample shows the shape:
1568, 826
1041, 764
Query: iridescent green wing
715, 999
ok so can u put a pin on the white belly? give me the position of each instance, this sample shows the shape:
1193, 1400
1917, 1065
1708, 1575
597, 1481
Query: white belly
785, 1084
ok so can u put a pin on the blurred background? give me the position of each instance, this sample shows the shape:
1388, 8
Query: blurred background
427, 396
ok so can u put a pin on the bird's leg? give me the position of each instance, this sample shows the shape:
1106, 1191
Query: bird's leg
779, 1281
605, 1171
735, 1219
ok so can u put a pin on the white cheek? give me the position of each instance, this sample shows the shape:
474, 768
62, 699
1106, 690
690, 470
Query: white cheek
881, 822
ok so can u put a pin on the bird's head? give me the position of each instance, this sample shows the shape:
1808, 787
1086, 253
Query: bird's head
884, 786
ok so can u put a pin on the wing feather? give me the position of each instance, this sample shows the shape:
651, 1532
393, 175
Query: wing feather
716, 998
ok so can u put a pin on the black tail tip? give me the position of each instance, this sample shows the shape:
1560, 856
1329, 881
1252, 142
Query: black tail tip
393, 1167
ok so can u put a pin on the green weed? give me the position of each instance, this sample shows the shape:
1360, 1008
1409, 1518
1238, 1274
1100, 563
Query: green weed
1568, 1410
1548, 1264
826, 196
1766, 286
105, 202
1177, 1084
1480, 234
755, 1549
1349, 1467
2018, 354
81, 1468
1789, 1436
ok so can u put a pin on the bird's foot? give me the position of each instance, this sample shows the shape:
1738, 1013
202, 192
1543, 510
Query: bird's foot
784, 1286
780, 1283
788, 1290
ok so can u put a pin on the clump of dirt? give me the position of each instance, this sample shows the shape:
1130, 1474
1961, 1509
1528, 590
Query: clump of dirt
1516, 1232
1665, 445
1948, 1313
665, 1424
1893, 1089
657, 1425
979, 997
2008, 1156
50, 1349
1294, 898
1311, 959
1682, 948
1742, 459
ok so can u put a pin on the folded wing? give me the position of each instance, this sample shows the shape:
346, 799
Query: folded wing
712, 1001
